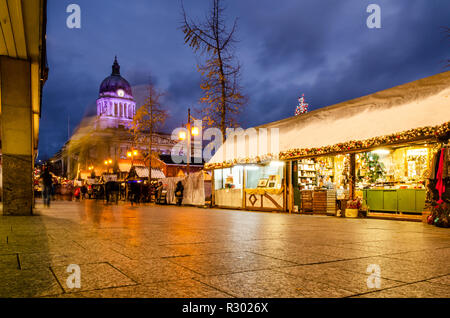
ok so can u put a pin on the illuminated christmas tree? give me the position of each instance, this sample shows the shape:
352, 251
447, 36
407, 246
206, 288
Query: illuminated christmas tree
302, 107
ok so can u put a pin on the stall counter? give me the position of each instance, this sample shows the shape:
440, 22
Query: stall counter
395, 200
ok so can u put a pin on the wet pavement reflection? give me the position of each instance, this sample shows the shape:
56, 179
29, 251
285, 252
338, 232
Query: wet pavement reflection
166, 251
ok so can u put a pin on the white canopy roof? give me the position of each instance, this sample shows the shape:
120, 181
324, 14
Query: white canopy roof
422, 103
141, 171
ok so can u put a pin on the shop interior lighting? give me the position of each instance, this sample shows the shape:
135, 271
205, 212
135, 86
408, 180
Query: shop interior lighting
381, 151
417, 152
276, 163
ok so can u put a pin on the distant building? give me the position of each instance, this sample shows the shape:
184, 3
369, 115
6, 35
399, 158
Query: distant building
115, 104
107, 137
173, 168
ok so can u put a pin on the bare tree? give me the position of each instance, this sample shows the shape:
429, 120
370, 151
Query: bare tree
149, 118
223, 98
447, 36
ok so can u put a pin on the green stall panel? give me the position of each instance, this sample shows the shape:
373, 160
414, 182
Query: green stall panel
421, 195
390, 200
395, 200
406, 200
375, 200
294, 180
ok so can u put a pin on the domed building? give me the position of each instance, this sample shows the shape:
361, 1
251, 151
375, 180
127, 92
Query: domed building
106, 137
115, 104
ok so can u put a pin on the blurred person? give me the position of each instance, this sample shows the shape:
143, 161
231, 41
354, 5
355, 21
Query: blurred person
179, 192
83, 191
159, 191
47, 184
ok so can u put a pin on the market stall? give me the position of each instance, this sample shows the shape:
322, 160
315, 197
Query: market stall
254, 187
193, 185
377, 147
264, 187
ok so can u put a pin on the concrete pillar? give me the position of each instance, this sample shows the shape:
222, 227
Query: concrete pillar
17, 136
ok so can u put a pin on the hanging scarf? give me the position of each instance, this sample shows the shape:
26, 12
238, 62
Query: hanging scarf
440, 186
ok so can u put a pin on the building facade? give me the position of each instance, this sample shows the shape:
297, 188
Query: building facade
115, 104
107, 137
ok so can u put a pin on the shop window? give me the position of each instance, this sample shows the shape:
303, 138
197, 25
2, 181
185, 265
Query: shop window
228, 178
267, 176
417, 162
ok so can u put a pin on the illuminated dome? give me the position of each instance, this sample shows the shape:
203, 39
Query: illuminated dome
115, 106
114, 83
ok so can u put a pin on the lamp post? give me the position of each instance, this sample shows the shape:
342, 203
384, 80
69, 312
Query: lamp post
131, 154
91, 171
191, 131
107, 163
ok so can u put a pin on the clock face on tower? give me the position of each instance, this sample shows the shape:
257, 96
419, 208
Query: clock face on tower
120, 93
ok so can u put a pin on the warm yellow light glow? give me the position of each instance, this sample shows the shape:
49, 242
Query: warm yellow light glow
417, 152
381, 151
129, 154
106, 162
110, 161
195, 131
276, 163
182, 135
135, 152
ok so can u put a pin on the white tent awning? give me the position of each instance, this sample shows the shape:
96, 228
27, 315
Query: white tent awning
142, 171
422, 103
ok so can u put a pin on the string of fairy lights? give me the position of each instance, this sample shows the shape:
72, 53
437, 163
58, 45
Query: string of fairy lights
349, 146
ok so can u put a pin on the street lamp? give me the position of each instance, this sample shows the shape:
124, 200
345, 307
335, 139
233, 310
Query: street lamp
195, 131
187, 134
107, 163
182, 135
131, 154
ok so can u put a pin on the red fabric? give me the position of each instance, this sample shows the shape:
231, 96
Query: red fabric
440, 186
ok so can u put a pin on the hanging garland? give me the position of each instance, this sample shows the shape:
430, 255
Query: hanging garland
349, 146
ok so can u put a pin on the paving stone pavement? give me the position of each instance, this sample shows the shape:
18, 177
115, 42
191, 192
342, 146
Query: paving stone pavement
170, 252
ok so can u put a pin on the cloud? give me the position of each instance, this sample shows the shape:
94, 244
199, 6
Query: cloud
320, 48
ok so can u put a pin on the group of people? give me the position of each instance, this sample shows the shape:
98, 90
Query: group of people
135, 190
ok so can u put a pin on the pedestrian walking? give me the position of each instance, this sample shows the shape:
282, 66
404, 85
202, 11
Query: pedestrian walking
47, 183
179, 193
159, 190
83, 191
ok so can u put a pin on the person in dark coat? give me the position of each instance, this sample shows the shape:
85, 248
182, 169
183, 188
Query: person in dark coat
135, 192
47, 183
179, 192
83, 191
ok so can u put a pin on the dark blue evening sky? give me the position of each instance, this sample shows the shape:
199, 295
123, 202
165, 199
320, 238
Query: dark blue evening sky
321, 48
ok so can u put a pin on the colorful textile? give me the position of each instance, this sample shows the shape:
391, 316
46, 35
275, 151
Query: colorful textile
440, 186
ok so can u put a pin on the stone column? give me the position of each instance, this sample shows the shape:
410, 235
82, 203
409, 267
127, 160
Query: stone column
17, 136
